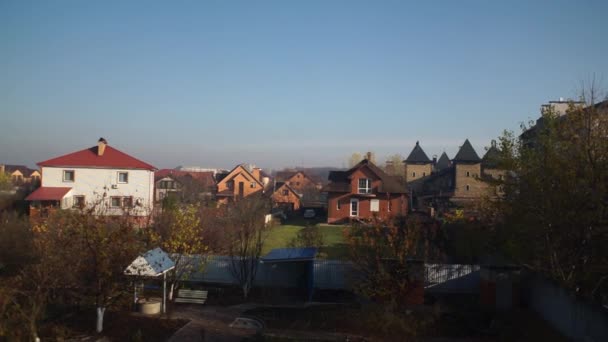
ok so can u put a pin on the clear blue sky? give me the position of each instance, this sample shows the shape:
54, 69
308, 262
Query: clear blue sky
284, 83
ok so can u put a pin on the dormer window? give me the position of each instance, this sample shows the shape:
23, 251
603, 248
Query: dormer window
365, 186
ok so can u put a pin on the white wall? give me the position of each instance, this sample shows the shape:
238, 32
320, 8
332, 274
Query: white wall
94, 183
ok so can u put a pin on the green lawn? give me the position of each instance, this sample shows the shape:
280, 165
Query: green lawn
333, 239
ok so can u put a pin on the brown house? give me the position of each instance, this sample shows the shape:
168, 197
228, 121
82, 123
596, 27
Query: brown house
286, 197
241, 182
187, 185
297, 180
365, 192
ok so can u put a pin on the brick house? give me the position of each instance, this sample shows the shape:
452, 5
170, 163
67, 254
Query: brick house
187, 185
100, 177
297, 180
364, 192
286, 197
240, 182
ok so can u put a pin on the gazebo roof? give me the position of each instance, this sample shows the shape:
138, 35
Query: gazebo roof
153, 263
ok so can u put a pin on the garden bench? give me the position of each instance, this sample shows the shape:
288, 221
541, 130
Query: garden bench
191, 296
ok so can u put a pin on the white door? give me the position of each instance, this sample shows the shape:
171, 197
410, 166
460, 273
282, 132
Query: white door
354, 207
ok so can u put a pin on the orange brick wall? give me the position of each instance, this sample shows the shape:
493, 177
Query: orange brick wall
278, 197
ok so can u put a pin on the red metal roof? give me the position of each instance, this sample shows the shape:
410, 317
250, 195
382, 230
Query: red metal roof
111, 158
48, 193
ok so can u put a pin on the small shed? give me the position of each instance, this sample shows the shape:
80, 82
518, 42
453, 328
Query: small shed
303, 258
152, 264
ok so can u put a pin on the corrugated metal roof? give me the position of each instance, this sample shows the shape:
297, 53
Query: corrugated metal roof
290, 254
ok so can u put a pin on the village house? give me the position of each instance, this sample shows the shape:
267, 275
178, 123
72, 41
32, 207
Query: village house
242, 181
365, 192
100, 177
20, 174
286, 197
183, 185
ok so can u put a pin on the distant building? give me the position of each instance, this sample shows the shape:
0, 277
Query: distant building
99, 177
286, 197
184, 185
417, 164
365, 192
242, 181
20, 174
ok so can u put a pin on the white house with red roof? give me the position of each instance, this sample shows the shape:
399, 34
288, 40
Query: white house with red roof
101, 176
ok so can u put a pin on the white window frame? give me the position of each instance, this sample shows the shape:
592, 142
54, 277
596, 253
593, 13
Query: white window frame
75, 202
368, 186
112, 202
118, 177
73, 176
252, 185
354, 213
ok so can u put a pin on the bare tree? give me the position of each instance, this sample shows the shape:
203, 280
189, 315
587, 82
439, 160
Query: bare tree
246, 232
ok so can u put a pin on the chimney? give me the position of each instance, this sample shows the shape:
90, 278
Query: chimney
434, 159
368, 156
101, 146
256, 173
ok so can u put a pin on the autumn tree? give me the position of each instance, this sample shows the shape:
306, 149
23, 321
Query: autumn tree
178, 231
554, 212
394, 165
356, 157
5, 182
96, 251
246, 231
383, 255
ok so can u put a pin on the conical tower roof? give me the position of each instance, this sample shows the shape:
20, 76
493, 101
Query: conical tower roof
467, 154
417, 156
443, 162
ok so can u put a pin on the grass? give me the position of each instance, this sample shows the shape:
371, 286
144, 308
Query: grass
334, 246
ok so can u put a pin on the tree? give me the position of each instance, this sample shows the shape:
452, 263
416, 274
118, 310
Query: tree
383, 256
5, 182
356, 157
179, 232
394, 166
246, 232
554, 212
309, 236
96, 251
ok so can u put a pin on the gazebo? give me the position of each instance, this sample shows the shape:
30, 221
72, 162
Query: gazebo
152, 264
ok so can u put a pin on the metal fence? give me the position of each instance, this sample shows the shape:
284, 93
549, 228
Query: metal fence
330, 274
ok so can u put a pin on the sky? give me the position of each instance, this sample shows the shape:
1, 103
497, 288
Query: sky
285, 83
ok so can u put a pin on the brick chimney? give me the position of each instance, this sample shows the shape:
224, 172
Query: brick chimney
256, 173
101, 146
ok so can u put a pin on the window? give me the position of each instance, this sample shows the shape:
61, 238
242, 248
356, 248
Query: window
413, 174
121, 202
365, 186
127, 202
115, 202
338, 206
468, 187
423, 174
390, 205
123, 177
374, 205
167, 185
79, 202
354, 207
285, 192
252, 185
68, 175
468, 174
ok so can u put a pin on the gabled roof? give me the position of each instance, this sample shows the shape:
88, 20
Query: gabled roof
467, 154
26, 171
279, 185
490, 159
443, 162
111, 158
48, 193
204, 178
417, 156
240, 169
340, 180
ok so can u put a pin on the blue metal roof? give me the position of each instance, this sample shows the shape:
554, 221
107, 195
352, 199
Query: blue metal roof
290, 254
